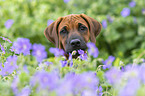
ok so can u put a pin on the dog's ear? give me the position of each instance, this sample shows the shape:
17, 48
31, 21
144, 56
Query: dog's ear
94, 27
51, 32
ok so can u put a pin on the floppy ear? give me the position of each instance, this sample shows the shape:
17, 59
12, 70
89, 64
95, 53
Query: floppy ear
51, 32
94, 27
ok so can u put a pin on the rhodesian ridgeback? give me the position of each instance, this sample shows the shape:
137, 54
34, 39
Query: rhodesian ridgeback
72, 32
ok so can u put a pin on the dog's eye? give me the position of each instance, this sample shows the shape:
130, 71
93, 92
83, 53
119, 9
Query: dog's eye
63, 31
82, 27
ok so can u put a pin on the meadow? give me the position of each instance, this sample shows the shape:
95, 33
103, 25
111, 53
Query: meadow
30, 65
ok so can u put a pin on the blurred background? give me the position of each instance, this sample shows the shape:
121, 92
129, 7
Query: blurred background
123, 21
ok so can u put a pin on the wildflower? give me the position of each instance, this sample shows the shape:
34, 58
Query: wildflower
14, 85
25, 69
109, 18
83, 55
131, 72
39, 52
6, 39
9, 23
49, 22
79, 82
9, 66
143, 11
44, 65
86, 80
71, 61
132, 4
141, 71
45, 80
132, 84
88, 93
100, 91
67, 85
47, 63
108, 62
56, 51
66, 1
2, 48
104, 24
22, 45
113, 75
125, 12
25, 92
92, 49
63, 63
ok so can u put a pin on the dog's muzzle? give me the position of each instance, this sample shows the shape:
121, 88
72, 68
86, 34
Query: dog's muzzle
75, 44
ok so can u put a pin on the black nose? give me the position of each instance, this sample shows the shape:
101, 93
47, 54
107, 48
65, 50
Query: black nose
75, 42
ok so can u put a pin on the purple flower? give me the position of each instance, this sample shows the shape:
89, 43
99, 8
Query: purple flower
86, 80
67, 85
66, 1
9, 66
131, 88
125, 12
56, 51
100, 91
22, 45
88, 93
71, 61
63, 63
92, 49
132, 3
9, 23
141, 73
79, 82
109, 18
83, 55
2, 48
47, 63
39, 52
113, 75
45, 80
131, 72
108, 62
49, 22
25, 92
25, 69
104, 24
122, 68
14, 85
143, 11
6, 39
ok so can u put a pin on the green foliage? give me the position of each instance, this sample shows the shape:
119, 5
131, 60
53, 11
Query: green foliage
121, 36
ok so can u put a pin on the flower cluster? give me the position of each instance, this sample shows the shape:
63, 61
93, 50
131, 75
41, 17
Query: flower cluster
57, 52
22, 45
9, 23
39, 52
9, 66
131, 78
92, 49
108, 62
85, 83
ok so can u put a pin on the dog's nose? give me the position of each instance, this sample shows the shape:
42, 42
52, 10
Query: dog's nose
75, 42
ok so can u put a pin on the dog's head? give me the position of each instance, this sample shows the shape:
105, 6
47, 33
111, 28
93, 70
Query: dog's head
72, 32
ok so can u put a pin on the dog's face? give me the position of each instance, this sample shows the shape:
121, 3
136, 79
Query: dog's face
72, 32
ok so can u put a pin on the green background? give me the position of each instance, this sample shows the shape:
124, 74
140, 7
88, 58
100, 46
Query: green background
122, 38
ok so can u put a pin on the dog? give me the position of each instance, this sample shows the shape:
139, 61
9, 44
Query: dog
72, 32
